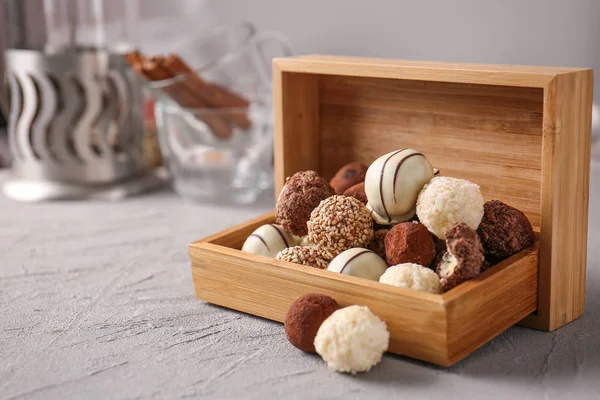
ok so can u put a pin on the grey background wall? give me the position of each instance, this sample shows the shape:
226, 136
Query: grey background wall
536, 32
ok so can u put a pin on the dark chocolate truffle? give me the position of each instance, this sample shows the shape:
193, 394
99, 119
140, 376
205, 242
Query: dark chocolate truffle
358, 192
409, 242
504, 230
304, 318
463, 258
377, 244
348, 176
301, 194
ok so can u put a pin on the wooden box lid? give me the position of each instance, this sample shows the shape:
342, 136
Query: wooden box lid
521, 132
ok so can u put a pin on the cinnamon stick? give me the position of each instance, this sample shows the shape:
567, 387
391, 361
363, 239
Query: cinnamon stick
183, 96
214, 95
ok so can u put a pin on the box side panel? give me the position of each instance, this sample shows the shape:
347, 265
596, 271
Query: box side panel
266, 288
483, 308
491, 135
565, 197
296, 113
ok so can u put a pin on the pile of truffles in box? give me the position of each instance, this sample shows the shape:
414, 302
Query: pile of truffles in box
398, 222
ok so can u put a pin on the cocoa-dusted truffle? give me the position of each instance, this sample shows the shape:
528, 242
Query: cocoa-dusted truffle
504, 230
303, 255
348, 176
340, 223
358, 192
463, 258
377, 244
304, 318
299, 197
409, 242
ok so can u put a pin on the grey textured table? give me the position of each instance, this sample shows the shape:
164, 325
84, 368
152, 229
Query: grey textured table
96, 301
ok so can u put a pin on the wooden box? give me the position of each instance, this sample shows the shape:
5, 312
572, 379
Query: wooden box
521, 132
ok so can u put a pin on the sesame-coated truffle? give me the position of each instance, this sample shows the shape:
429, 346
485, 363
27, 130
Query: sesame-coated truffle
412, 276
504, 230
444, 201
358, 192
299, 197
409, 242
352, 339
303, 255
463, 258
377, 244
340, 223
304, 318
348, 176
392, 185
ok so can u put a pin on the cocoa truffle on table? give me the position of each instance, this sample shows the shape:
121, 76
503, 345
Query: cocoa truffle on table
504, 230
340, 223
463, 258
348, 176
358, 192
303, 255
409, 242
304, 318
298, 198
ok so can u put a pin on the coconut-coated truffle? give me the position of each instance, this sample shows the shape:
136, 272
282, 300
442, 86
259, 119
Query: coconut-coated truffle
409, 242
298, 198
392, 185
377, 244
303, 255
444, 201
304, 318
348, 176
504, 230
412, 276
358, 192
463, 258
352, 339
340, 223
268, 240
359, 262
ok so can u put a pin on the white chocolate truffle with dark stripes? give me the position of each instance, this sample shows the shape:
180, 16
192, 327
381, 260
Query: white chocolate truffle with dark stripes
393, 183
359, 262
268, 240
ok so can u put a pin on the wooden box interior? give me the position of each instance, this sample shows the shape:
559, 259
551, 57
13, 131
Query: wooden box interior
496, 126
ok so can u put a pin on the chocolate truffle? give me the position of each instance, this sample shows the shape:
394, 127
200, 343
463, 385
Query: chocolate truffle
377, 244
352, 339
504, 230
303, 255
393, 183
348, 176
409, 242
463, 258
268, 240
359, 262
340, 223
358, 192
298, 198
412, 276
444, 201
304, 318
